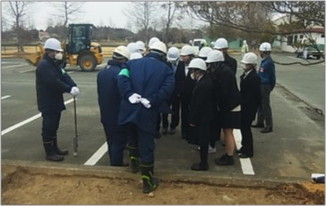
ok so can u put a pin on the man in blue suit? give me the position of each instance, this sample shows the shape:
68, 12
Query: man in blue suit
109, 103
145, 88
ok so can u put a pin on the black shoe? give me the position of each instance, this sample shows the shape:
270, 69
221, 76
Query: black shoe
225, 160
257, 125
239, 150
244, 155
266, 130
199, 167
172, 131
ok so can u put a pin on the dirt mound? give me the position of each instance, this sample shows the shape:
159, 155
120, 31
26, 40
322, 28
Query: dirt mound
22, 186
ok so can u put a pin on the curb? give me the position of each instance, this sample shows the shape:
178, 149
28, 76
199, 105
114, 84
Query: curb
190, 177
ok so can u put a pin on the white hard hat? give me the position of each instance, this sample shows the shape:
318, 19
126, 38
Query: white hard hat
204, 51
215, 56
265, 46
221, 43
132, 47
198, 63
173, 54
140, 46
244, 42
135, 55
187, 50
159, 46
249, 58
53, 44
152, 41
123, 51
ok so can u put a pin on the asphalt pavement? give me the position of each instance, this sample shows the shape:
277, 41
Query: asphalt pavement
293, 151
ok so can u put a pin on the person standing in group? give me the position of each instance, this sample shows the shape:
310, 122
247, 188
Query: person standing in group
250, 100
222, 45
51, 82
184, 86
203, 52
227, 100
173, 61
109, 103
244, 48
201, 111
267, 83
145, 88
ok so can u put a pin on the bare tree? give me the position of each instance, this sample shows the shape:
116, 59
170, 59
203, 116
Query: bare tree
18, 11
245, 16
142, 14
67, 12
171, 16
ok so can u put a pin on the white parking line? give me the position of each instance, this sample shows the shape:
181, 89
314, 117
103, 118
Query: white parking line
97, 155
3, 132
27, 71
5, 97
17, 65
246, 165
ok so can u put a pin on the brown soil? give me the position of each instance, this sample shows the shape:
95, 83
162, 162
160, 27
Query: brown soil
20, 186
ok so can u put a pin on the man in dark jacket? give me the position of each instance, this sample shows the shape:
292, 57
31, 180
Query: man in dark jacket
51, 82
267, 83
109, 103
145, 90
221, 44
250, 100
184, 86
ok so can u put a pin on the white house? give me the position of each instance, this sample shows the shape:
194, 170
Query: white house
285, 42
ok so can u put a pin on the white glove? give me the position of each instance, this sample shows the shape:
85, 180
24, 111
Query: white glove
145, 102
134, 98
74, 91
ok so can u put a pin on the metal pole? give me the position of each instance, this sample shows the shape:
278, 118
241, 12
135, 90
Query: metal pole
75, 138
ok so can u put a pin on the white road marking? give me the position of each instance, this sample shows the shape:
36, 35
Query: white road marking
17, 65
70, 72
3, 132
5, 97
27, 71
246, 165
97, 155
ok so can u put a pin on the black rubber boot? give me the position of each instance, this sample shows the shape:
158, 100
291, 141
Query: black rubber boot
50, 153
57, 150
134, 159
150, 183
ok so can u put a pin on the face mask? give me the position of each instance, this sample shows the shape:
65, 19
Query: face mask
192, 76
58, 56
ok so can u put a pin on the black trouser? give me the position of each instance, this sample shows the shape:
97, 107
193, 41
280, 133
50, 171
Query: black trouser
247, 141
204, 155
50, 126
184, 118
176, 102
264, 110
165, 121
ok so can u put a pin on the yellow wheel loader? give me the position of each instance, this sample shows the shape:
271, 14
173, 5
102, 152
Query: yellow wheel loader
79, 50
